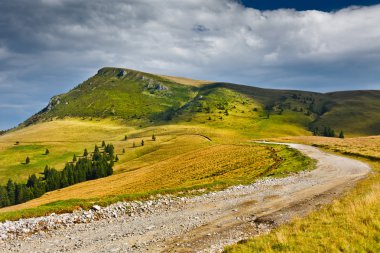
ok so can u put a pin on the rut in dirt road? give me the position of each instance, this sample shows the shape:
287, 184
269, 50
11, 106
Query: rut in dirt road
209, 222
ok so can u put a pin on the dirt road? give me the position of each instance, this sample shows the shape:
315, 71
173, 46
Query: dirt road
209, 222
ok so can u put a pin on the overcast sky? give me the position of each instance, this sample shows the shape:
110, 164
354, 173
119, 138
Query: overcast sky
49, 46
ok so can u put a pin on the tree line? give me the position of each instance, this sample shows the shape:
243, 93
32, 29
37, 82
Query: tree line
327, 132
88, 167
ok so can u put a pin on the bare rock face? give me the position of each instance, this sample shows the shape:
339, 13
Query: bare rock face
53, 102
162, 87
122, 73
153, 86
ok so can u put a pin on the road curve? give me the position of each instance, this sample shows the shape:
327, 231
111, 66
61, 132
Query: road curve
208, 223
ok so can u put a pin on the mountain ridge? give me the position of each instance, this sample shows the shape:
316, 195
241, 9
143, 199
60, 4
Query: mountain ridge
145, 99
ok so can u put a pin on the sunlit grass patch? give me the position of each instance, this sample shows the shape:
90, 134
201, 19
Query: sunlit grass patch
210, 167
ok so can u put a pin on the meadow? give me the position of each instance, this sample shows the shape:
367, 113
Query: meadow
181, 159
365, 147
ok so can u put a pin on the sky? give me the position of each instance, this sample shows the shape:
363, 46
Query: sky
49, 46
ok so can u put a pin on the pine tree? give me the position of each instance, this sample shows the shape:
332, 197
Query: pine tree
64, 180
341, 135
153, 137
109, 169
73, 173
53, 180
316, 131
110, 149
123, 150
32, 181
85, 153
325, 132
96, 154
11, 189
142, 143
103, 144
27, 160
4, 199
133, 145
28, 195
125, 138
20, 193
47, 152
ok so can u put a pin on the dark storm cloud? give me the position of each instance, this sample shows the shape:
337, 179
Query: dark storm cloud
48, 46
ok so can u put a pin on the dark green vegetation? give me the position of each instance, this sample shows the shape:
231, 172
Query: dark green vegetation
144, 99
327, 132
100, 165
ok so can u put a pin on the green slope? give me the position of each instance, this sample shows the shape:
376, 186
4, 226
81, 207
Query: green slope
120, 93
143, 99
355, 112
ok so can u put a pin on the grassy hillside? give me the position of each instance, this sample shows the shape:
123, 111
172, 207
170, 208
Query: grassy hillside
203, 131
137, 97
355, 112
183, 158
143, 99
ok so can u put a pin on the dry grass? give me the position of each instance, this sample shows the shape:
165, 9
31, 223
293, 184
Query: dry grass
182, 157
64, 138
69, 130
186, 81
361, 146
351, 224
207, 165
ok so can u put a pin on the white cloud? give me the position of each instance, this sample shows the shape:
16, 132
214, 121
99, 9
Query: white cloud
55, 41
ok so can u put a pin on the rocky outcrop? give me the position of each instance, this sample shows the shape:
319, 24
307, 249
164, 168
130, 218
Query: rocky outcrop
56, 100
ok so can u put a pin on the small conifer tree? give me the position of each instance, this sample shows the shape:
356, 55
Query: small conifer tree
27, 160
85, 153
142, 143
74, 158
153, 137
123, 150
341, 135
47, 152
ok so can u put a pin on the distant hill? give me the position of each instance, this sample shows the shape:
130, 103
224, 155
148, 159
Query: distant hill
144, 99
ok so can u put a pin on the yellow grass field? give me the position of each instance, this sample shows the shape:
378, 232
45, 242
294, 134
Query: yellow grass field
182, 157
362, 146
200, 167
186, 81
64, 138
